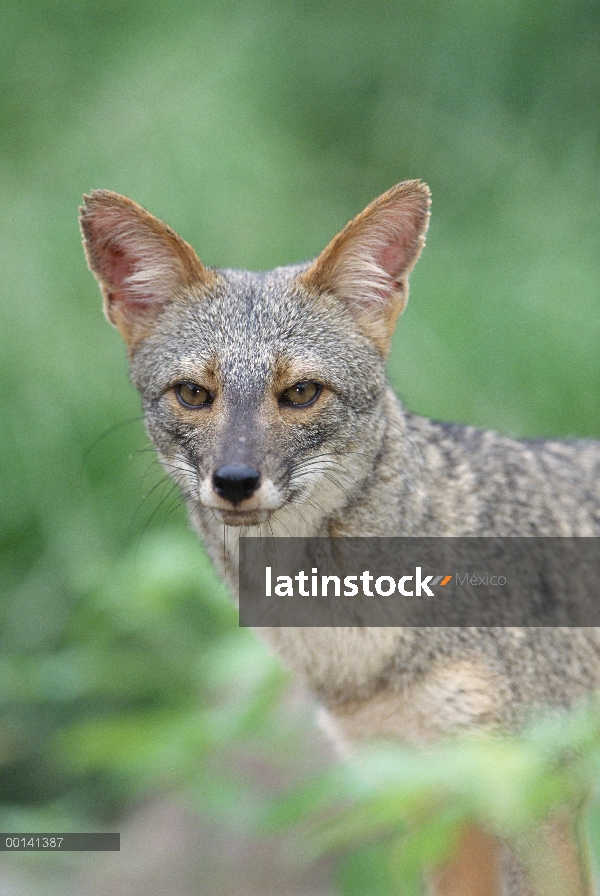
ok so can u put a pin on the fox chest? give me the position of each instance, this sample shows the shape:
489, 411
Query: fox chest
368, 691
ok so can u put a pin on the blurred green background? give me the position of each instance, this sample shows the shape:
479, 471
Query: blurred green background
256, 130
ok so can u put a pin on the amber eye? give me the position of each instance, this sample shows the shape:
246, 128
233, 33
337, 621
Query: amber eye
192, 396
301, 394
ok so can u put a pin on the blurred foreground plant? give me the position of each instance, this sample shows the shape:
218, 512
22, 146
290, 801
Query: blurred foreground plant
145, 681
150, 686
393, 812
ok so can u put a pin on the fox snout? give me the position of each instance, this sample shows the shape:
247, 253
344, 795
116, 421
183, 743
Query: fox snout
240, 491
235, 482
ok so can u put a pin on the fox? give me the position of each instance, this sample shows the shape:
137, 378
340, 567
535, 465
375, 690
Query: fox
265, 396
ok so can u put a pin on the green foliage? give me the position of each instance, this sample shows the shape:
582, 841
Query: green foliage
393, 812
147, 679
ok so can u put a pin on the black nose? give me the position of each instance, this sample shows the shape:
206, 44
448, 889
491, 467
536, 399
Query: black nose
235, 482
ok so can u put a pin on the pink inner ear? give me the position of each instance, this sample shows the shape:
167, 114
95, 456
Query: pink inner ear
118, 269
124, 300
393, 257
399, 228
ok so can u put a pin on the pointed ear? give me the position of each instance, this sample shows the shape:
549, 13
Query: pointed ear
139, 262
366, 266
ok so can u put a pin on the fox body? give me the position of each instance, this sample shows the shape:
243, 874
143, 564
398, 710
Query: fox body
266, 398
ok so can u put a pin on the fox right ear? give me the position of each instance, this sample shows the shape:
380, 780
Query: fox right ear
139, 262
366, 266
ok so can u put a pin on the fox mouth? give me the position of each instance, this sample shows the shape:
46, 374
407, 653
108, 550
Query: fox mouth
238, 517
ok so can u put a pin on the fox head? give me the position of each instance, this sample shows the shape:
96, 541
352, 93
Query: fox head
261, 391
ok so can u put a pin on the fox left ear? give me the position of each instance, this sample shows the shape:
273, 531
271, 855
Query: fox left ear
366, 266
140, 264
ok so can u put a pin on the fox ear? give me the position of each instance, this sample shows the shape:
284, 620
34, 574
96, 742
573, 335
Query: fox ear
367, 264
139, 262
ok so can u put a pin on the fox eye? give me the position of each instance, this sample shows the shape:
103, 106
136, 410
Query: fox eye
301, 394
192, 396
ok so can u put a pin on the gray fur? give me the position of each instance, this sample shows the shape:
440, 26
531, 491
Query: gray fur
361, 464
375, 469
